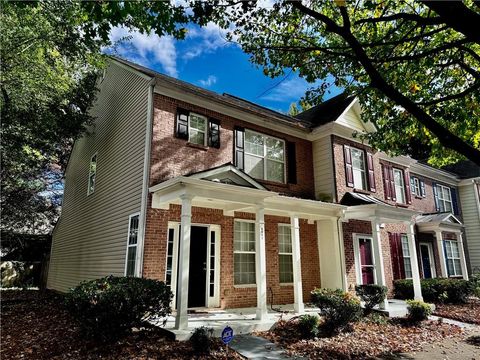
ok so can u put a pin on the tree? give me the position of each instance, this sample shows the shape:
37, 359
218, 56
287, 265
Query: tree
414, 71
50, 58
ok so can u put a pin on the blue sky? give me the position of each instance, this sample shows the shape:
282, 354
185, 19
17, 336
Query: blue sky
206, 59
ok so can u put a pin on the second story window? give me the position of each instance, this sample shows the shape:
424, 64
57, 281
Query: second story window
264, 156
443, 198
358, 168
197, 129
92, 173
417, 186
399, 186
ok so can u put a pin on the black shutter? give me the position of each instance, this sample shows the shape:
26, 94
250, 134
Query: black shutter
214, 133
453, 194
181, 128
291, 163
239, 149
371, 172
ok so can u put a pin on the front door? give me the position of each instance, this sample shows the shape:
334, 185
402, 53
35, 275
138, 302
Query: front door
197, 282
366, 260
426, 253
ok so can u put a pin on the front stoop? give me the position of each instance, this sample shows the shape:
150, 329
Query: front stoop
398, 308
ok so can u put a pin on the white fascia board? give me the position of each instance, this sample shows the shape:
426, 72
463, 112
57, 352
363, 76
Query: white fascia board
229, 110
464, 182
399, 160
434, 174
131, 69
231, 168
333, 128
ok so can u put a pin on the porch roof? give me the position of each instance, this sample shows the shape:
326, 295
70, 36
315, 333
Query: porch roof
383, 213
438, 222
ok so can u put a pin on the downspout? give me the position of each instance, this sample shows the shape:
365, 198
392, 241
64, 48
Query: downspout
146, 178
341, 246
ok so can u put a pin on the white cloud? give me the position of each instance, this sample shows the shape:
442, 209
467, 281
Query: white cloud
290, 89
205, 39
147, 50
209, 81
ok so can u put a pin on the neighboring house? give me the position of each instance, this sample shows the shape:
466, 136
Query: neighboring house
220, 198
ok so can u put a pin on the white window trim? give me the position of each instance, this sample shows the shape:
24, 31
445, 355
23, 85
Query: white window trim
364, 171
457, 274
131, 245
264, 157
90, 173
242, 252
440, 198
417, 191
430, 255
205, 130
356, 253
284, 253
403, 236
402, 178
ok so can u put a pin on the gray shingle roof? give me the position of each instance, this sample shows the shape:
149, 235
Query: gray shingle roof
327, 111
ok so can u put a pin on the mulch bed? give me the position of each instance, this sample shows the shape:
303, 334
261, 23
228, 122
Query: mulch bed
365, 341
36, 325
469, 312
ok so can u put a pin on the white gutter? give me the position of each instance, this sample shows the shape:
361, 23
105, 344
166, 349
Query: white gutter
146, 179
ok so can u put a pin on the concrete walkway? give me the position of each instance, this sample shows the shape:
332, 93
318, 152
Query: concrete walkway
255, 347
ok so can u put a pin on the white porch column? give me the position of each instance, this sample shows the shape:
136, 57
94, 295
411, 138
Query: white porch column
441, 254
417, 289
181, 320
297, 267
463, 262
260, 263
378, 255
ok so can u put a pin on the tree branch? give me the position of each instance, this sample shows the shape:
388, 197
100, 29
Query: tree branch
459, 95
402, 16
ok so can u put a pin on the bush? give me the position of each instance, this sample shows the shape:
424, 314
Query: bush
308, 326
436, 290
418, 310
338, 308
111, 306
371, 294
201, 340
475, 284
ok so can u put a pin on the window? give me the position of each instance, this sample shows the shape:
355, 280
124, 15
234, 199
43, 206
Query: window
415, 186
453, 258
244, 253
285, 256
264, 157
444, 198
132, 245
399, 186
358, 167
92, 173
169, 270
407, 263
197, 129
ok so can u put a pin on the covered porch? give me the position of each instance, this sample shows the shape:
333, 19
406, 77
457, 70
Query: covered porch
228, 189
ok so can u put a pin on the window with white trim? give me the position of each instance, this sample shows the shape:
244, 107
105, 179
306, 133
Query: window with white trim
244, 253
407, 262
132, 245
444, 197
92, 173
197, 129
399, 180
452, 253
285, 255
264, 156
359, 169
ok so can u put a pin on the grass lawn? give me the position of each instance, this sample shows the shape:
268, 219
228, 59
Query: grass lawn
36, 325
469, 312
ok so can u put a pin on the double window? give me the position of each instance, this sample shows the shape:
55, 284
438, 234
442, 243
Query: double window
197, 129
244, 253
92, 173
452, 253
285, 256
444, 198
132, 242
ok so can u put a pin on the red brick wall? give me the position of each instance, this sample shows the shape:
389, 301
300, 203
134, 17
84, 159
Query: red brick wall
173, 157
231, 296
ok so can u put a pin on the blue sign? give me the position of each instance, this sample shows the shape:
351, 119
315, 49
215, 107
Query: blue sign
227, 335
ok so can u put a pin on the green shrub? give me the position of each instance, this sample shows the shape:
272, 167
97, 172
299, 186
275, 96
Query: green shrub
371, 294
111, 306
436, 290
418, 310
475, 284
338, 308
201, 340
308, 326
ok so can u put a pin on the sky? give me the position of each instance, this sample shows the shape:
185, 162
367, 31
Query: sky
206, 59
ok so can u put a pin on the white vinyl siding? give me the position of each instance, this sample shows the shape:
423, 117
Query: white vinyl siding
453, 258
444, 198
264, 157
285, 255
323, 169
89, 239
244, 253
359, 169
399, 186
470, 200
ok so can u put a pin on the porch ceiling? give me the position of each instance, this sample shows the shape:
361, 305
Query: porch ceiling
231, 198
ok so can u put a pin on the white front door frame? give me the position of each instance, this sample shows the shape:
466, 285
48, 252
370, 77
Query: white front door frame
430, 255
358, 260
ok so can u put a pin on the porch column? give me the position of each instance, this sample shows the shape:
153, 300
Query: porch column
463, 262
181, 320
260, 263
441, 254
378, 255
297, 267
417, 289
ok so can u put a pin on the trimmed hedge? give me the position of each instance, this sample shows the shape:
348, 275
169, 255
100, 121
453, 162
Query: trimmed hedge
111, 306
371, 294
418, 310
438, 290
